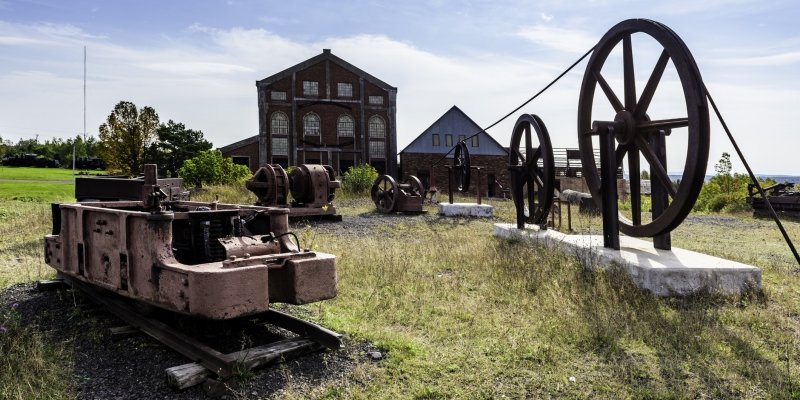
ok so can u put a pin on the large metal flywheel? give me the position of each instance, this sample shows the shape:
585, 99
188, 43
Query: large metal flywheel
532, 170
637, 131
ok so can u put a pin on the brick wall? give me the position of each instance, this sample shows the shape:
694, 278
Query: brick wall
419, 164
248, 150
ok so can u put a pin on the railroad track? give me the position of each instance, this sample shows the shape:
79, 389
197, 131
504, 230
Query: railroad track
207, 364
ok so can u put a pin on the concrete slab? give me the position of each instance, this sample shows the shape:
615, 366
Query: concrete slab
675, 272
466, 210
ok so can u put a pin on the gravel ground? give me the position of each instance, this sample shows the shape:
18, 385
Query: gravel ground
360, 225
134, 368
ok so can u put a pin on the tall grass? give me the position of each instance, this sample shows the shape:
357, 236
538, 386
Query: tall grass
462, 314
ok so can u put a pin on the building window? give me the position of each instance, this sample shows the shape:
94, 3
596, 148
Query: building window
345, 126
436, 139
280, 146
311, 124
345, 89
475, 141
241, 160
278, 95
376, 100
461, 138
279, 124
377, 128
377, 149
310, 88
448, 140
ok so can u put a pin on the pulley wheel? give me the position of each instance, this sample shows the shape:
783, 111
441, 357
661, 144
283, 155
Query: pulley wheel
383, 193
638, 132
416, 186
532, 157
461, 167
270, 185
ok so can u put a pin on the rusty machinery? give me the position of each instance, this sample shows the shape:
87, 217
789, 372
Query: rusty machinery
459, 172
313, 188
784, 200
213, 260
630, 132
389, 196
633, 131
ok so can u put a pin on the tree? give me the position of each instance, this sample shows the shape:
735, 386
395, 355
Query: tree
175, 145
211, 168
124, 137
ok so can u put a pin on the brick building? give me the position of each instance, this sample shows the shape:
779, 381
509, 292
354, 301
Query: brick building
417, 158
322, 111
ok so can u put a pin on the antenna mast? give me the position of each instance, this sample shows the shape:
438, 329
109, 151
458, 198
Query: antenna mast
84, 94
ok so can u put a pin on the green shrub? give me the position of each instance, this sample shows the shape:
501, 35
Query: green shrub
211, 168
359, 179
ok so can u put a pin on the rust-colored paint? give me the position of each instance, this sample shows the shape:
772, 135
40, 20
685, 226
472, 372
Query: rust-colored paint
247, 257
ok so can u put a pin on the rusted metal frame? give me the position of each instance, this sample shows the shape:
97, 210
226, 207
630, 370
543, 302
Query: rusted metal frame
450, 180
608, 189
517, 181
478, 187
658, 193
323, 336
221, 364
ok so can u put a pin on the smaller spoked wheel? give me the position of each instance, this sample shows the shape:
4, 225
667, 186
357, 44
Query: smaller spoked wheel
415, 186
384, 192
461, 167
532, 170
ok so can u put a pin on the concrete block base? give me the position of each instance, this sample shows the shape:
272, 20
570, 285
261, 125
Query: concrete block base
466, 210
675, 272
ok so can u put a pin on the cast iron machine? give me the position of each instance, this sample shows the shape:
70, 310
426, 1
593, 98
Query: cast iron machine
389, 196
313, 188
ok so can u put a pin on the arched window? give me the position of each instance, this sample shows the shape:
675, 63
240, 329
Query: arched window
345, 126
377, 128
279, 124
311, 124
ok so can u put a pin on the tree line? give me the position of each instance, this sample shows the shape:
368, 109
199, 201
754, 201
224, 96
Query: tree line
129, 138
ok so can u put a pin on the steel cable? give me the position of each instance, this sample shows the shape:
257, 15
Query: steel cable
753, 176
518, 108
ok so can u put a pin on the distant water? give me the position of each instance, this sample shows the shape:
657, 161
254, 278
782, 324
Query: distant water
777, 178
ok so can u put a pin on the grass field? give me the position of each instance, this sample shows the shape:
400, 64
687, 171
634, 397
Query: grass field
40, 174
462, 314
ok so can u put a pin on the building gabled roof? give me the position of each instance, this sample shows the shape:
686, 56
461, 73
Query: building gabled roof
326, 55
241, 143
455, 122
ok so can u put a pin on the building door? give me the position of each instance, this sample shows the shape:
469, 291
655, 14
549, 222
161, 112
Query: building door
424, 177
491, 180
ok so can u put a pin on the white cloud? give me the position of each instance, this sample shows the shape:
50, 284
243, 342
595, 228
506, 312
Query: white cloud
561, 39
211, 87
546, 17
786, 58
197, 68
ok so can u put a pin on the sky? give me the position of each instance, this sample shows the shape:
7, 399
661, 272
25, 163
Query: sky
197, 62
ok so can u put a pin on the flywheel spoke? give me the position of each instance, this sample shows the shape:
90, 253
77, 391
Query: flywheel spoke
650, 89
629, 75
656, 165
620, 153
612, 97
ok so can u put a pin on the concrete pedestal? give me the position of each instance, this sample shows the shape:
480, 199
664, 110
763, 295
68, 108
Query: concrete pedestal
675, 272
466, 210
